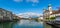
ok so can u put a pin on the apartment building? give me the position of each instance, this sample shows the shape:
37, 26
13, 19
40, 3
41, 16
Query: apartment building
5, 15
15, 17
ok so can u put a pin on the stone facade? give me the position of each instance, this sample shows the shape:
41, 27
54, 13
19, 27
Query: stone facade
15, 17
5, 15
47, 13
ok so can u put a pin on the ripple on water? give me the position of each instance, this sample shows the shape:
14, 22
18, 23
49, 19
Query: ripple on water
29, 24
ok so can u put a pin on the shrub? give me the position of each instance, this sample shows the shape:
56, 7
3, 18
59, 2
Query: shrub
52, 18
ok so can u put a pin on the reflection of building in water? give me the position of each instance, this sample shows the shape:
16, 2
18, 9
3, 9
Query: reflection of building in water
46, 25
7, 25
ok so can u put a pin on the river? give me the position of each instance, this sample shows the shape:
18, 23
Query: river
24, 24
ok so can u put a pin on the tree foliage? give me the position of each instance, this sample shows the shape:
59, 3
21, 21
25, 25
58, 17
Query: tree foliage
52, 18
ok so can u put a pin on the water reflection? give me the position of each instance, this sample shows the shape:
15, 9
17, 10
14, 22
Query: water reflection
24, 24
46, 25
7, 25
28, 24
1, 25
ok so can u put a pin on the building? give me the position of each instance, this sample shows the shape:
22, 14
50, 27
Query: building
15, 17
40, 18
5, 15
48, 13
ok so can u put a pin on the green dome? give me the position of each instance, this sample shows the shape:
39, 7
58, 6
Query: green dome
49, 5
44, 8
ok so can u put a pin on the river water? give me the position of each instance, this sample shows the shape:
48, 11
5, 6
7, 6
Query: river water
24, 24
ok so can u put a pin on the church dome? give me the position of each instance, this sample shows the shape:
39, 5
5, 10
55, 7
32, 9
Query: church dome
49, 5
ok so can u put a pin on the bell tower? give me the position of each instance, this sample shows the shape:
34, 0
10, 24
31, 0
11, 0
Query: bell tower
50, 8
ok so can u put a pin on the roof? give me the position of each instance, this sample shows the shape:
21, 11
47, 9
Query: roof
4, 10
46, 11
55, 12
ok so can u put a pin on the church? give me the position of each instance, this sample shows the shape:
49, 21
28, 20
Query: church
47, 13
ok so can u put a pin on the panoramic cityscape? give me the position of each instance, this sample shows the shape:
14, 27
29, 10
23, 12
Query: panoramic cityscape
29, 13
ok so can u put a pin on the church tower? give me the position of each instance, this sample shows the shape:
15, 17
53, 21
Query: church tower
44, 9
50, 8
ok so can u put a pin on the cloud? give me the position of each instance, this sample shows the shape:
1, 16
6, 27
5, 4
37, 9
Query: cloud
33, 1
18, 0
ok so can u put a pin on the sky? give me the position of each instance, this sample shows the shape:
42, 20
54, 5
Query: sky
28, 6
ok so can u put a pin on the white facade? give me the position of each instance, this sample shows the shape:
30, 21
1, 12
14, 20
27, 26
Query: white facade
4, 15
53, 15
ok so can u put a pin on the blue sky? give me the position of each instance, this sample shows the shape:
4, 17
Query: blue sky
23, 6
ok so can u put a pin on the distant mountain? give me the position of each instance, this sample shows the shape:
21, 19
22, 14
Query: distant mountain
28, 14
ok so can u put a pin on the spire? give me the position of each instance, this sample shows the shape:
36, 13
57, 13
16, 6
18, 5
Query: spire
49, 5
50, 8
44, 9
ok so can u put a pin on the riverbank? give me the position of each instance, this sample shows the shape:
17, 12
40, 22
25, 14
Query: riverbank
2, 21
